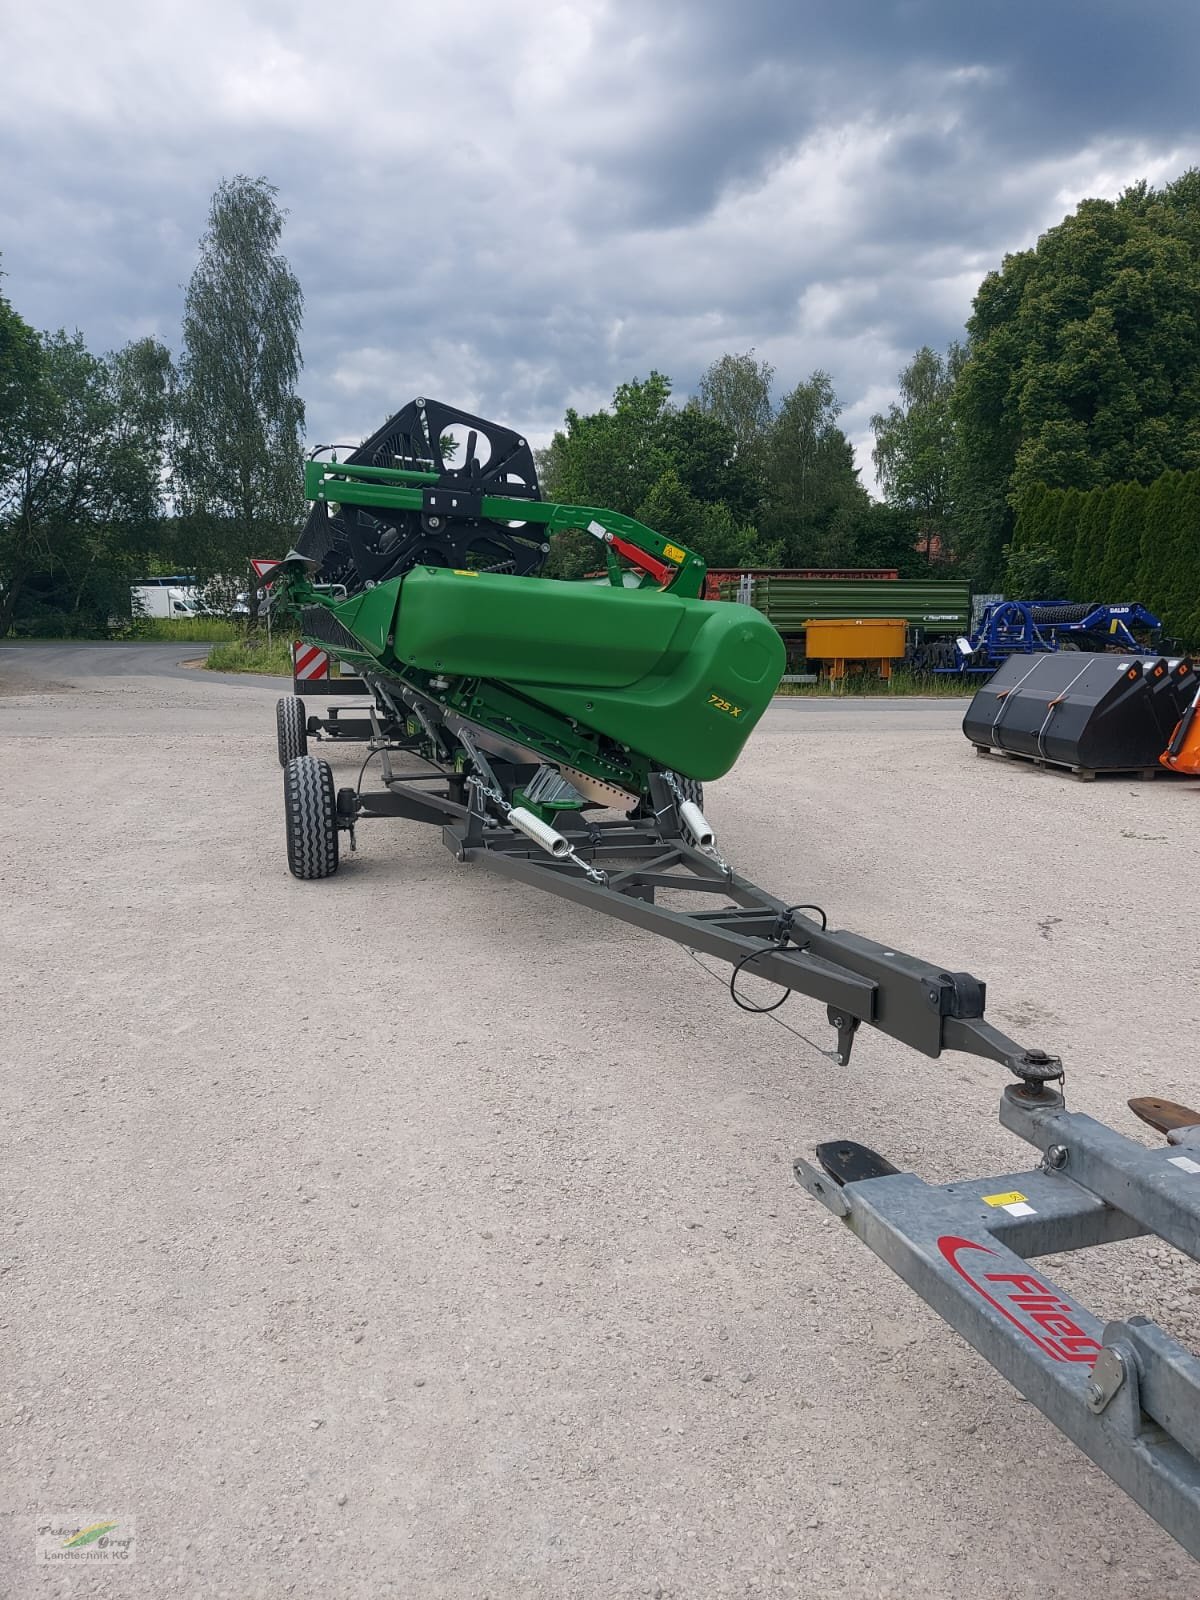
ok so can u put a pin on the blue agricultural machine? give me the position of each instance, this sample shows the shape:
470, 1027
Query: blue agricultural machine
1037, 627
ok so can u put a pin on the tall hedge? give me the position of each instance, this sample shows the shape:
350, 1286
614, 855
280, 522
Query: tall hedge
1067, 528
1183, 605
1123, 545
1125, 542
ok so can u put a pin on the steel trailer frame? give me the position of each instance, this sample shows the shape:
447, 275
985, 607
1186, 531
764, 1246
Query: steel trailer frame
1127, 1393
620, 867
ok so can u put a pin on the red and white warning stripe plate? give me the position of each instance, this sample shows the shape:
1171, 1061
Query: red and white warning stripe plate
308, 661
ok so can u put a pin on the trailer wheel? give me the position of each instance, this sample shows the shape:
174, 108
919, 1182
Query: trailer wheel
310, 814
291, 728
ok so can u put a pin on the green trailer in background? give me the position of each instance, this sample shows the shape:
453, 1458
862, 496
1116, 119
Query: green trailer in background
936, 610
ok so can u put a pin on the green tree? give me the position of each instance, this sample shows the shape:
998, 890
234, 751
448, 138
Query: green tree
736, 391
143, 377
611, 458
814, 501
914, 442
239, 461
20, 373
573, 554
1082, 364
887, 536
703, 452
710, 529
1033, 572
79, 501
677, 470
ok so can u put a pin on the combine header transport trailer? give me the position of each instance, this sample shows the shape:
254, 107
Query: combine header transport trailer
559, 735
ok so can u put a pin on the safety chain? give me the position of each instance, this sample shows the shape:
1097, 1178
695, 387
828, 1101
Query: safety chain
488, 792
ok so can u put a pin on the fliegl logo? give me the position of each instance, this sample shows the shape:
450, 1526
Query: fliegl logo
68, 1537
1023, 1299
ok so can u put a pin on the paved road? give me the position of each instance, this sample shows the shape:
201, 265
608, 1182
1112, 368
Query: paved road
413, 1235
77, 663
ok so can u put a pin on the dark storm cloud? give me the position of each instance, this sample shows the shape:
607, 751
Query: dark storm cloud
518, 209
685, 139
1065, 69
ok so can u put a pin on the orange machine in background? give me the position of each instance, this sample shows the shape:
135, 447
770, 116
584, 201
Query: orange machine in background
1183, 752
836, 640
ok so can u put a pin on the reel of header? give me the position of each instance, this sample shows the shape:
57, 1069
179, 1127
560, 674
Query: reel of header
469, 458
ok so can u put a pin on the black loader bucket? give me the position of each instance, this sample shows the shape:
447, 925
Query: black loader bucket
1174, 684
1092, 713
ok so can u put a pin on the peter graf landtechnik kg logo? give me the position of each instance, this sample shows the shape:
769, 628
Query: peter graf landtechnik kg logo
65, 1536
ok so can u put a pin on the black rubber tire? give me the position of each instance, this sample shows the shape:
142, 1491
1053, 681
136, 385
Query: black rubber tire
310, 815
291, 728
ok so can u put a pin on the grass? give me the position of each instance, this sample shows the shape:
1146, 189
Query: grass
926, 685
253, 655
144, 630
200, 630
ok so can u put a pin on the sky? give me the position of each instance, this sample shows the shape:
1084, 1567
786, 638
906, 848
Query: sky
515, 208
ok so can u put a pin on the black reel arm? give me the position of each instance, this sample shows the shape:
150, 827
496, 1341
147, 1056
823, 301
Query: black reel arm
355, 546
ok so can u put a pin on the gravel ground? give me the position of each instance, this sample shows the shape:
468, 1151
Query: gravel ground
413, 1234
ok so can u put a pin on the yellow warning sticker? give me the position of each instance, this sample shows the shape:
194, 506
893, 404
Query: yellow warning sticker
462, 572
674, 553
1011, 1199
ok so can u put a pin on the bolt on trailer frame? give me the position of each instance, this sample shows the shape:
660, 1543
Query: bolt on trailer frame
1126, 1393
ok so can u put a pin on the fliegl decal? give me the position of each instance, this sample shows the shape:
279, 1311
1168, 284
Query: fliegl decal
1022, 1298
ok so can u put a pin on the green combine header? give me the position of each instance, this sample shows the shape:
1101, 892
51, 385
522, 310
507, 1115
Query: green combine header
444, 603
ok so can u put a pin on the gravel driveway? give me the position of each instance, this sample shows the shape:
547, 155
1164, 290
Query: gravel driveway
411, 1234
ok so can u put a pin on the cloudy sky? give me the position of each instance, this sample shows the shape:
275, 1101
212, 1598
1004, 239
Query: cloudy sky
515, 207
